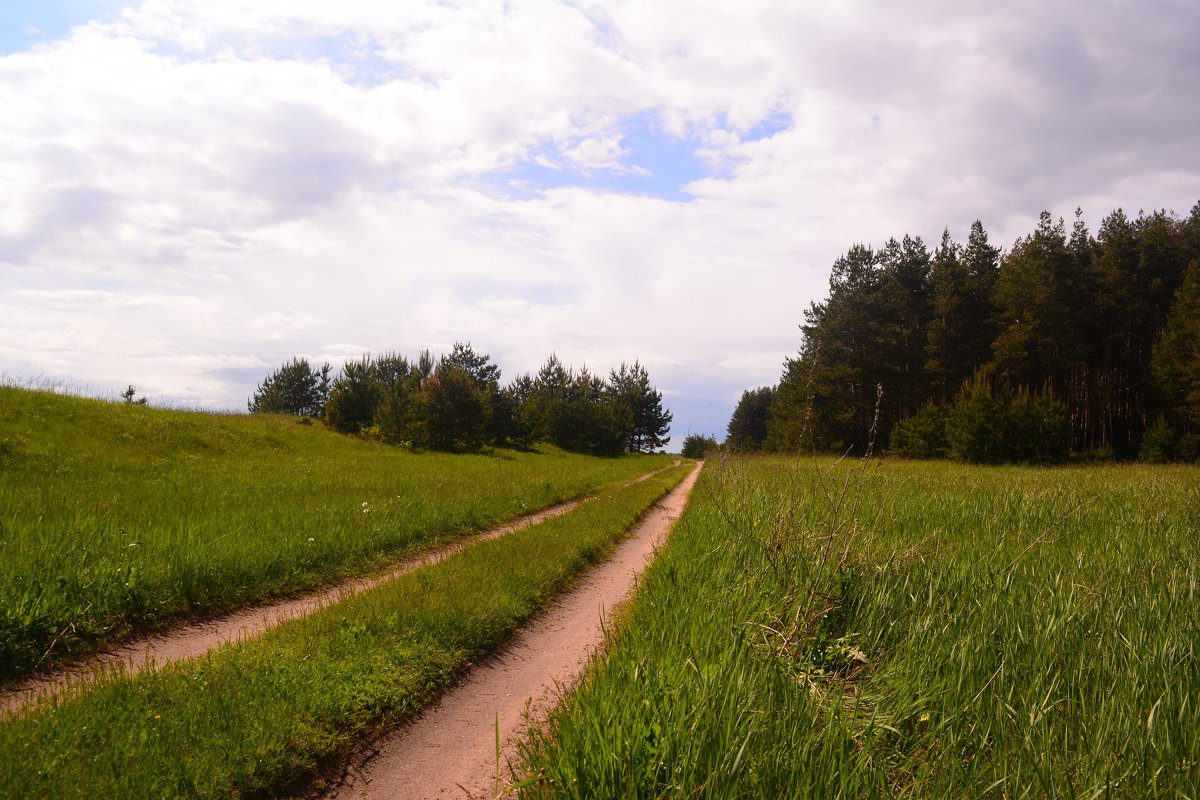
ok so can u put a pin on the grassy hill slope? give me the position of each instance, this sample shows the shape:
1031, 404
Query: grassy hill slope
118, 518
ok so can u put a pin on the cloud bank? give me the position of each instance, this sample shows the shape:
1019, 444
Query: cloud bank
192, 193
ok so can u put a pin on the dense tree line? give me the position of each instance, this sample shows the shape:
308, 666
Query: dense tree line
457, 403
1097, 334
748, 427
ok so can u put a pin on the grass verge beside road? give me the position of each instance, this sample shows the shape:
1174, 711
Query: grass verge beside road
265, 717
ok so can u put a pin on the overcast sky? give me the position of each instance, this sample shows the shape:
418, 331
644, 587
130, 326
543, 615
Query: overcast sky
192, 193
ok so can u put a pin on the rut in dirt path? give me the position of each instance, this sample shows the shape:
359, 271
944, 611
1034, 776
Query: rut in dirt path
194, 639
450, 750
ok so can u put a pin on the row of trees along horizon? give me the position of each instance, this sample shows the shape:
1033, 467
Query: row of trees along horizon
456, 403
1067, 343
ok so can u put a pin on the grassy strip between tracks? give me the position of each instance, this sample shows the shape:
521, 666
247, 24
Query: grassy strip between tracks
115, 518
933, 630
263, 718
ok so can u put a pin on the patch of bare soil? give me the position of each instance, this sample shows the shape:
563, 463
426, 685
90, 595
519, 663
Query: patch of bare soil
197, 638
450, 751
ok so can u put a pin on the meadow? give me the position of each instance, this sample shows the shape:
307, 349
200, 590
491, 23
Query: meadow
901, 629
117, 519
278, 714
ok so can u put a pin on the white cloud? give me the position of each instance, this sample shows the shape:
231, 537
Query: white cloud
197, 191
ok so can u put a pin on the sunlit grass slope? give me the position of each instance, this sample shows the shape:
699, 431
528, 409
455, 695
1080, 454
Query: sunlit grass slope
922, 630
115, 518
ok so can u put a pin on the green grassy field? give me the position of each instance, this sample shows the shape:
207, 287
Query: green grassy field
268, 717
118, 518
911, 630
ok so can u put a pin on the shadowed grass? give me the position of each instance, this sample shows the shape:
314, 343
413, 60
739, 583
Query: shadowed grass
967, 632
262, 718
117, 518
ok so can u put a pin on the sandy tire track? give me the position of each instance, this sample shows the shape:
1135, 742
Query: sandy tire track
450, 750
194, 639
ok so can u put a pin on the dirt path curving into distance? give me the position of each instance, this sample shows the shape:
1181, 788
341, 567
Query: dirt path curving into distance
450, 750
197, 638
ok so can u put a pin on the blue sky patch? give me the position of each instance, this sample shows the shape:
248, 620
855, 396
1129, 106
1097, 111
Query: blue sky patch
359, 63
776, 123
652, 162
544, 294
345, 51
25, 23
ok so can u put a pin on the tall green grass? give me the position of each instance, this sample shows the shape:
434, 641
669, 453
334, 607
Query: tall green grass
269, 716
117, 518
931, 631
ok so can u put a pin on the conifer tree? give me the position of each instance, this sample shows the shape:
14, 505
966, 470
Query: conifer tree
354, 397
747, 430
638, 407
294, 388
1176, 360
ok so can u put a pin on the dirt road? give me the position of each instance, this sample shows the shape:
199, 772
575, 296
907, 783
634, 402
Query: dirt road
196, 639
450, 751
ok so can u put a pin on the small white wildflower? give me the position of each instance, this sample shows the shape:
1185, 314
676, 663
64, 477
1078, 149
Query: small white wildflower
311, 539
366, 508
